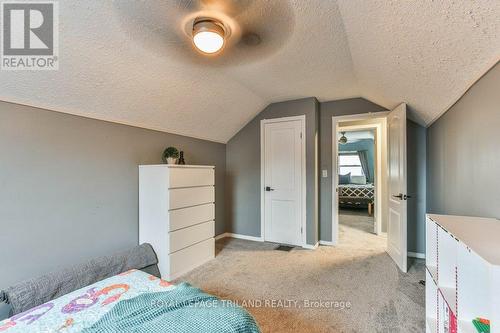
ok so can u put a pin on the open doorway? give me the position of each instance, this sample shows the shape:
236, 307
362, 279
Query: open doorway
390, 178
360, 153
356, 170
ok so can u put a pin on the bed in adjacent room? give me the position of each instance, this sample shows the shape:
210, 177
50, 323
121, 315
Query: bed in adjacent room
357, 195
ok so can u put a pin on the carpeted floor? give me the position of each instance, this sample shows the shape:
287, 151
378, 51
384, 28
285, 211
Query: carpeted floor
357, 219
356, 286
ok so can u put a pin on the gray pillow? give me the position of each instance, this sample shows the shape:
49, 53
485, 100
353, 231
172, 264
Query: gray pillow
28, 294
5, 311
345, 179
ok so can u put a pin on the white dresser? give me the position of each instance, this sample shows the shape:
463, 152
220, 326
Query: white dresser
177, 215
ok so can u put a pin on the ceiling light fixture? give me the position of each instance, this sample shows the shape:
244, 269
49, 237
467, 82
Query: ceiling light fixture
208, 35
343, 139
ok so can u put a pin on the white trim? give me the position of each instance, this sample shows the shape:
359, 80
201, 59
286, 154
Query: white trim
416, 255
302, 118
224, 235
363, 116
304, 183
282, 119
250, 238
326, 243
239, 236
262, 183
177, 166
311, 247
334, 171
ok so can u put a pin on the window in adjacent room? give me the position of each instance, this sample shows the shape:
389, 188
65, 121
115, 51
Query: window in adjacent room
350, 163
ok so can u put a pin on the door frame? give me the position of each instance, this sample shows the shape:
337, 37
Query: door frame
377, 128
381, 182
303, 189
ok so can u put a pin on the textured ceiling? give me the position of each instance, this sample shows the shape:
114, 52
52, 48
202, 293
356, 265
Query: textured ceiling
425, 53
115, 66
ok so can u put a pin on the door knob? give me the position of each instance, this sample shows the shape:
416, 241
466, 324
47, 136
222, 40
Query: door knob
399, 196
268, 188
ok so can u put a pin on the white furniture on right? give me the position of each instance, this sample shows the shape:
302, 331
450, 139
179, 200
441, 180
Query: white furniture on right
177, 215
462, 272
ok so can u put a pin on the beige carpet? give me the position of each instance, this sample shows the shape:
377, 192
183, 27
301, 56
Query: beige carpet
356, 220
371, 294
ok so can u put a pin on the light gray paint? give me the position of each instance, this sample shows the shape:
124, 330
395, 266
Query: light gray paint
463, 153
416, 162
69, 186
243, 169
327, 111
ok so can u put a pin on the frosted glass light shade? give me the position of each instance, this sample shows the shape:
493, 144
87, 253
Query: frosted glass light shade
208, 41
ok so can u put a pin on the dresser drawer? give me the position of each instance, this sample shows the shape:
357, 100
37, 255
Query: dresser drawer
191, 196
188, 236
186, 217
187, 177
186, 259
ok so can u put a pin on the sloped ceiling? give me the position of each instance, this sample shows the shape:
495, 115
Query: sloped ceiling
425, 53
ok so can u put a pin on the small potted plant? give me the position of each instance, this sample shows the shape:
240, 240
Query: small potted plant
170, 155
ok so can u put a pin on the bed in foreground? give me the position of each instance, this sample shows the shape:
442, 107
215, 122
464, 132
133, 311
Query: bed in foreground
133, 301
122, 292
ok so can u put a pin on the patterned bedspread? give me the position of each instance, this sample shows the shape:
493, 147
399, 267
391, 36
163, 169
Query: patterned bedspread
362, 193
82, 309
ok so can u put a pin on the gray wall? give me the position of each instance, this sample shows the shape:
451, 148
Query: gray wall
243, 163
69, 186
464, 153
416, 161
328, 110
243, 169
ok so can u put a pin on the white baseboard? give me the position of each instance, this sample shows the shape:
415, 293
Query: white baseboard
228, 234
307, 246
259, 239
250, 238
416, 255
311, 247
224, 235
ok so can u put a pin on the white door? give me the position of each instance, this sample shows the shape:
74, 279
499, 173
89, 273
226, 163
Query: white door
284, 155
397, 214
